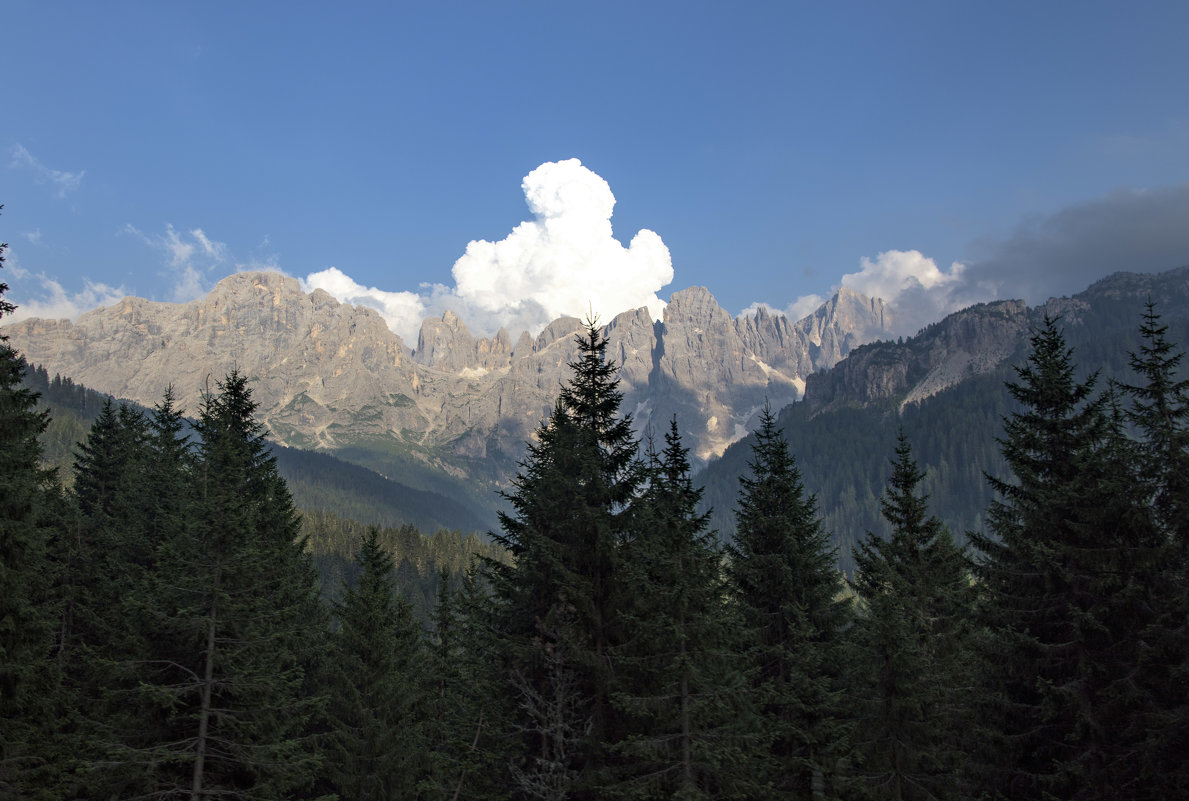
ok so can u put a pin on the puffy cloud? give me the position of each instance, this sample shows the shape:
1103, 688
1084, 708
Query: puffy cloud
895, 272
804, 306
65, 182
913, 285
564, 261
910, 282
403, 311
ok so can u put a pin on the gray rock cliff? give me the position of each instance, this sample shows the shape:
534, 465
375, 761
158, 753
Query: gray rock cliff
331, 376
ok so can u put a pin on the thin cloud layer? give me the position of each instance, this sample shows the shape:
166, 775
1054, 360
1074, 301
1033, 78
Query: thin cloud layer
50, 301
564, 261
190, 257
63, 182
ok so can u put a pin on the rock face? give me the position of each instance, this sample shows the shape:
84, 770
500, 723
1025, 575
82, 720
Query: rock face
331, 376
982, 338
966, 343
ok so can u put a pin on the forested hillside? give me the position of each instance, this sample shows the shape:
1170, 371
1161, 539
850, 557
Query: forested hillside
842, 447
167, 634
319, 482
338, 500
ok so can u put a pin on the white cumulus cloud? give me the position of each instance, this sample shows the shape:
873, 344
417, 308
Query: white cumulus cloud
403, 311
895, 272
918, 291
564, 261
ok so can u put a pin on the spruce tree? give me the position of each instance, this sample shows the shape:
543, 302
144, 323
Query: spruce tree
377, 747
911, 667
557, 601
241, 617
1065, 587
467, 694
679, 682
784, 580
140, 717
1160, 411
105, 571
30, 511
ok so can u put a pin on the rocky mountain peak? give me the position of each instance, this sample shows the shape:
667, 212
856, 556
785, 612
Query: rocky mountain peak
332, 375
562, 327
695, 306
966, 343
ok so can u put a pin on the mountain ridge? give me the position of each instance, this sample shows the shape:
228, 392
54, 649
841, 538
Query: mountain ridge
331, 376
945, 388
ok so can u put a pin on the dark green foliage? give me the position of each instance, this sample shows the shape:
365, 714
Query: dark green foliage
241, 622
841, 454
320, 482
30, 510
557, 602
377, 746
72, 409
681, 696
161, 634
420, 559
1067, 584
840, 450
788, 590
106, 562
911, 670
1160, 412
470, 716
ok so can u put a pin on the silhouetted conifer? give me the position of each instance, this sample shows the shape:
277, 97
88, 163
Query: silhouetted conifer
912, 669
784, 578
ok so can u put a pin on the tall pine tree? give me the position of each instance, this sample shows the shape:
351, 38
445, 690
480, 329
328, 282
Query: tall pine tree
1160, 412
469, 719
377, 746
30, 512
679, 680
911, 669
107, 563
557, 601
788, 589
242, 618
1065, 586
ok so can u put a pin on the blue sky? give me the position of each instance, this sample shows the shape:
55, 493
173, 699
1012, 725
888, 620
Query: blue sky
774, 148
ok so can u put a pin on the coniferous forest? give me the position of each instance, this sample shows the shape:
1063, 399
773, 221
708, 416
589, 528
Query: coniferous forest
164, 632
